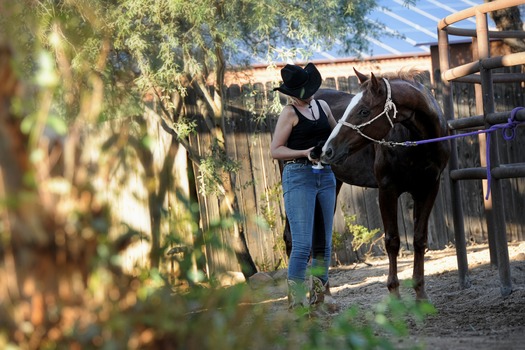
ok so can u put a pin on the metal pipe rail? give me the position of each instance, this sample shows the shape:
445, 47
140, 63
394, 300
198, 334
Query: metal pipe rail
505, 171
473, 11
477, 121
480, 72
496, 78
514, 34
509, 60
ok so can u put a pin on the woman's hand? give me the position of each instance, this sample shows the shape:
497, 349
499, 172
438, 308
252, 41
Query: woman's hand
315, 152
309, 155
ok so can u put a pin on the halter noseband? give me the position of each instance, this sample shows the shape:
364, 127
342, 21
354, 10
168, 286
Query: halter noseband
389, 105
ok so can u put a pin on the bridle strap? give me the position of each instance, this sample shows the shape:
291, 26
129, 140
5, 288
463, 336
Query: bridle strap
389, 105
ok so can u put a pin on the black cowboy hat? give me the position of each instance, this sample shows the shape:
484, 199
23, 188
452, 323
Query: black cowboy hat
300, 82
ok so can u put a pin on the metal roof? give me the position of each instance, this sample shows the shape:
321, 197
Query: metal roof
417, 24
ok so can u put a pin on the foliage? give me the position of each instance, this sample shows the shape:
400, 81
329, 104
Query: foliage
149, 312
269, 201
101, 61
83, 63
361, 235
210, 175
268, 207
379, 328
185, 127
180, 46
171, 40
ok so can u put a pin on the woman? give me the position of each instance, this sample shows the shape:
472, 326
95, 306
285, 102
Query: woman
303, 124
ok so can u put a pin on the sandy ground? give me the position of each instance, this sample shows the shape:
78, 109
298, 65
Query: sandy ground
474, 318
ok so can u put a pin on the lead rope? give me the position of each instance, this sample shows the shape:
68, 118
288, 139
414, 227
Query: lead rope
508, 131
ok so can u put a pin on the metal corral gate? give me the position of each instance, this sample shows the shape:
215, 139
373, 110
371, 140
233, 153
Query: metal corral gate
480, 73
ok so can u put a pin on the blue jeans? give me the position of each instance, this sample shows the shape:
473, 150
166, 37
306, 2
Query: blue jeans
307, 196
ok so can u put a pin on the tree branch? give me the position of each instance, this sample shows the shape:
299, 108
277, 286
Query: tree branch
193, 154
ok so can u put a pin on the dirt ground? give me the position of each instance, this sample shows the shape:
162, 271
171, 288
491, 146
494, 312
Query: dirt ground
474, 318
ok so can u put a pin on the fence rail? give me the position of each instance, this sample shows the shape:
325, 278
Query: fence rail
490, 169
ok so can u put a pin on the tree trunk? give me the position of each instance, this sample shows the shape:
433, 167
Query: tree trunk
49, 238
507, 20
32, 260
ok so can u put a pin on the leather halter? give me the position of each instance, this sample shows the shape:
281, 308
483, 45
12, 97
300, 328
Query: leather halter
389, 105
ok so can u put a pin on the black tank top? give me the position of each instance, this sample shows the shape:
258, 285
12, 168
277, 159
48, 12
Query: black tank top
308, 133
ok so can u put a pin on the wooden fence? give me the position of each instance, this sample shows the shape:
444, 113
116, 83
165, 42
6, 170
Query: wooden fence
258, 182
248, 133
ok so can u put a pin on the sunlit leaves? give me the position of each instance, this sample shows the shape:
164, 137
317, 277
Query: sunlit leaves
184, 127
171, 36
212, 167
46, 75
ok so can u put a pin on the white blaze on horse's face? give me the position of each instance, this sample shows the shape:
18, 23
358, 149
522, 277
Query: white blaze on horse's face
344, 118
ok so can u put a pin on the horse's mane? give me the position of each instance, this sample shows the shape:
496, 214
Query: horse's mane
411, 74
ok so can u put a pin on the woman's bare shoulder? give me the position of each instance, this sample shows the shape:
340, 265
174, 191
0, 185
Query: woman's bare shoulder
288, 113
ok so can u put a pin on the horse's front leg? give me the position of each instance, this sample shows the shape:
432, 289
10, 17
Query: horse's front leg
388, 207
422, 208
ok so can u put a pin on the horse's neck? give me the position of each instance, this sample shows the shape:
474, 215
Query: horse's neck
419, 112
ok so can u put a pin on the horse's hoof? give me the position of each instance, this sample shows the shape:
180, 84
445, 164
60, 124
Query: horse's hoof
423, 297
394, 293
505, 291
424, 300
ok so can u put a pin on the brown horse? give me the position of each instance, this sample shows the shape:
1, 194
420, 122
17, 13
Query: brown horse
367, 148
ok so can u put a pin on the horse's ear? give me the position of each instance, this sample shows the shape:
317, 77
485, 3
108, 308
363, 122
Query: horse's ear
362, 78
375, 83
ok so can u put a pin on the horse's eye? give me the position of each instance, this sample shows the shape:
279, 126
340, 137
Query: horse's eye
363, 112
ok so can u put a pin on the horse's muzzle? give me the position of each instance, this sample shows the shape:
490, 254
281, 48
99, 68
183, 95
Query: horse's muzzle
327, 155
330, 156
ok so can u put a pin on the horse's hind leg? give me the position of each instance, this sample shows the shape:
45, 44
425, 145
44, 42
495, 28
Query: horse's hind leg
422, 208
388, 207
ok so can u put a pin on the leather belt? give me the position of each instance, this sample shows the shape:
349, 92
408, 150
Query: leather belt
298, 161
304, 161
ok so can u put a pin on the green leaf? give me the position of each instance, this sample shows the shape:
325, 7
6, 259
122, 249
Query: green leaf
57, 124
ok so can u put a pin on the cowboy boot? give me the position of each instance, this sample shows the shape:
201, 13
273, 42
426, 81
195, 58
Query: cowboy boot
316, 291
297, 298
321, 300
329, 301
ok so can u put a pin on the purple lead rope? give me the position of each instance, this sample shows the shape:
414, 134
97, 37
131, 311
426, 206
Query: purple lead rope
508, 132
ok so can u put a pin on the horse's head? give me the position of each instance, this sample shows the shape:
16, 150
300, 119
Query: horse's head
368, 117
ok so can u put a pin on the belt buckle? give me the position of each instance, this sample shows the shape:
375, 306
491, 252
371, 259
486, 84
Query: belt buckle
298, 161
